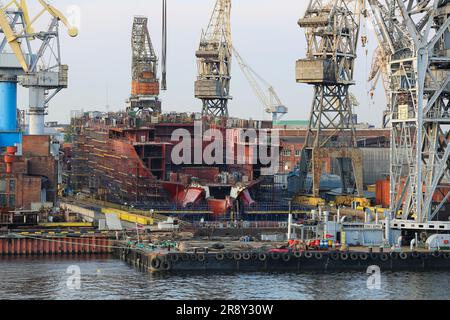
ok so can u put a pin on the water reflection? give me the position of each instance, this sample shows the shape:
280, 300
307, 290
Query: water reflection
103, 277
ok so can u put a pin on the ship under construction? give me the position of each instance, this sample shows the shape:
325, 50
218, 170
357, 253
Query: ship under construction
126, 157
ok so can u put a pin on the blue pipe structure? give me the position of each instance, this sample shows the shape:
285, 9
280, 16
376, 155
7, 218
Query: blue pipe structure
9, 133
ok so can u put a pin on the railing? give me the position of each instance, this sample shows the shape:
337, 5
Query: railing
242, 225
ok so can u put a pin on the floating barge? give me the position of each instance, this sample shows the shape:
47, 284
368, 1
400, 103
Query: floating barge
253, 261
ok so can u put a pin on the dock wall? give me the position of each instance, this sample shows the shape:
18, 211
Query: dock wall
54, 246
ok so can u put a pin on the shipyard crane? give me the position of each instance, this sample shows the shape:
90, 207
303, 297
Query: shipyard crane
33, 60
418, 32
391, 39
332, 33
269, 99
214, 63
145, 83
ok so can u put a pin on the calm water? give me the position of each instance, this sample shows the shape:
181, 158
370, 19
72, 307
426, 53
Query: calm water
107, 278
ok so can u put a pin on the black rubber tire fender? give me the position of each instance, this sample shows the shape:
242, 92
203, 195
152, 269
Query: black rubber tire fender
193, 256
354, 256
394, 255
229, 255
298, 254
262, 257
403, 256
318, 256
364, 256
374, 256
286, 257
155, 263
246, 256
344, 256
446, 255
220, 256
201, 257
237, 256
334, 256
384, 256
165, 265
275, 256
436, 254
308, 255
254, 256
174, 258
185, 257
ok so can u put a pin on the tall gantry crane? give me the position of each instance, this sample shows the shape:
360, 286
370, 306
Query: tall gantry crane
420, 92
214, 62
267, 96
392, 41
145, 83
332, 32
33, 60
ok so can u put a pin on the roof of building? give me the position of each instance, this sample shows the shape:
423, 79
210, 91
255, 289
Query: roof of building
291, 123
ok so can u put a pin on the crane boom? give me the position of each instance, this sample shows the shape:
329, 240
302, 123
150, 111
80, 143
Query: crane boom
269, 100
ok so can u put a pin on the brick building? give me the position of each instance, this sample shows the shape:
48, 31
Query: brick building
374, 144
33, 177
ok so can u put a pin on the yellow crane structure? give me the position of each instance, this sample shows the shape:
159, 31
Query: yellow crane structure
33, 60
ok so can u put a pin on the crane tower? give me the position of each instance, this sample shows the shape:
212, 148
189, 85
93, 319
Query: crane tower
33, 59
214, 62
332, 32
420, 93
145, 83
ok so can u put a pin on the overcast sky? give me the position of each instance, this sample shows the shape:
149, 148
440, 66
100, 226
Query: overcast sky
265, 32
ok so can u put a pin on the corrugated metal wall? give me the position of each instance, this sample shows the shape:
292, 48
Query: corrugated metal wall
375, 164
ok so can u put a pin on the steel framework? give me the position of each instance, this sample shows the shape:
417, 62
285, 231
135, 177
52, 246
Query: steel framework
420, 74
332, 32
145, 84
214, 62
37, 55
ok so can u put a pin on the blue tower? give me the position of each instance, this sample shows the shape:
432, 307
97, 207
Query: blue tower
9, 132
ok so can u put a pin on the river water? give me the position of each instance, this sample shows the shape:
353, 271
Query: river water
107, 278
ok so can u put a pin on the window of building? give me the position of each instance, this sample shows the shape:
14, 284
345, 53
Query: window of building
287, 152
7, 193
298, 153
12, 185
12, 201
